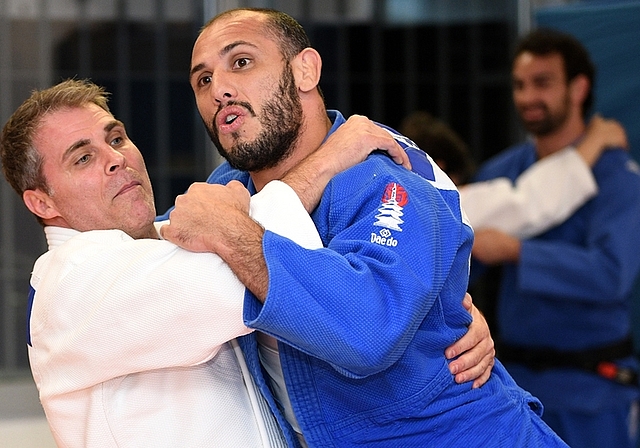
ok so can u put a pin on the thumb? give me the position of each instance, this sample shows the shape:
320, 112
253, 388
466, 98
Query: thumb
162, 230
467, 302
166, 231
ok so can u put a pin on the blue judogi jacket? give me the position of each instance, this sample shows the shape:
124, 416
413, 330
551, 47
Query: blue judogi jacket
363, 323
572, 287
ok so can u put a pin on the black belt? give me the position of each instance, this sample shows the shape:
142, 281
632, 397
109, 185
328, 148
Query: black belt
600, 360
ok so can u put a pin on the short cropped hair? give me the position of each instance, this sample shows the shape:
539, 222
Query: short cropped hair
284, 29
545, 41
21, 162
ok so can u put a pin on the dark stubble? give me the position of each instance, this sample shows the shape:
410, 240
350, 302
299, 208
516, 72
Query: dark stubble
281, 120
551, 121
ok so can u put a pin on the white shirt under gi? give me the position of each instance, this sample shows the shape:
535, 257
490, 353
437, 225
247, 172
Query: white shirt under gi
129, 338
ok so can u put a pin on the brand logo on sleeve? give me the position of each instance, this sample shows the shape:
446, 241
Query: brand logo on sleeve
389, 216
384, 238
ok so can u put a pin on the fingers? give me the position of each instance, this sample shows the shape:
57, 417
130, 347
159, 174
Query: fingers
474, 365
196, 221
239, 191
478, 331
399, 155
374, 137
482, 379
178, 236
164, 231
236, 185
476, 350
609, 130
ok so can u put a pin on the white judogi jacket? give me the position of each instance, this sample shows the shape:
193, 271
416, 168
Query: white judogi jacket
129, 338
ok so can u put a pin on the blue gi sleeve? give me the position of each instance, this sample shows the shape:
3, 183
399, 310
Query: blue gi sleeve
358, 302
603, 264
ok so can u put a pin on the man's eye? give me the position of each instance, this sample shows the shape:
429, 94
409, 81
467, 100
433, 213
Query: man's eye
204, 80
116, 141
242, 62
82, 160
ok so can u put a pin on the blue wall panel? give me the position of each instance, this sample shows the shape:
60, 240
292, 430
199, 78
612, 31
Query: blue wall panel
611, 33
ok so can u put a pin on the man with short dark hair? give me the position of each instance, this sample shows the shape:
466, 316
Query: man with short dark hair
564, 305
352, 336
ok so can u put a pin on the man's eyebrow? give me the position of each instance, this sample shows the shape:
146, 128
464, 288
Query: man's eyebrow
85, 141
77, 145
232, 45
221, 53
112, 125
195, 68
543, 76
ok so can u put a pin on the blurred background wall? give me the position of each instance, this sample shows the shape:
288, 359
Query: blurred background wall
382, 58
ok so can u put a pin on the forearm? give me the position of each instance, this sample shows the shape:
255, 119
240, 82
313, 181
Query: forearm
598, 257
215, 218
349, 145
588, 275
324, 307
491, 247
310, 178
239, 244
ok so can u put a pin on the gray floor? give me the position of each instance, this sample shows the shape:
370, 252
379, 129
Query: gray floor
22, 421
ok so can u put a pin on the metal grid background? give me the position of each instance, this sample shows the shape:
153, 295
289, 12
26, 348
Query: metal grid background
455, 67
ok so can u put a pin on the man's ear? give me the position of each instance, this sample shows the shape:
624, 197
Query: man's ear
580, 86
40, 204
306, 67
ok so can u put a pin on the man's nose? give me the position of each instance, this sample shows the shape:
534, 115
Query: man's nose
222, 89
525, 94
115, 161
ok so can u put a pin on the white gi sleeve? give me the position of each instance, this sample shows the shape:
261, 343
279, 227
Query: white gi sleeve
543, 196
279, 209
107, 305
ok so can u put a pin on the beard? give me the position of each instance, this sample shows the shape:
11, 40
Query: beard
550, 122
281, 121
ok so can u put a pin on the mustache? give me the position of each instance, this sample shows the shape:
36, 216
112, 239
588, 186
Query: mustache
243, 104
534, 106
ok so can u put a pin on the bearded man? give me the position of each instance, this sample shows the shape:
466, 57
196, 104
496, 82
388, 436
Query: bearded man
563, 316
353, 337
